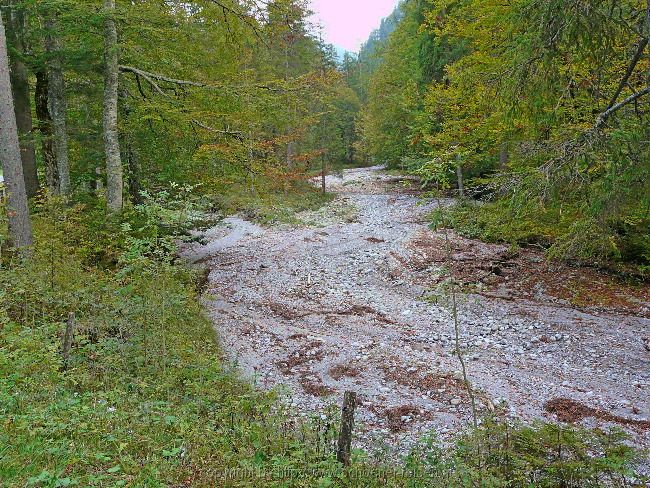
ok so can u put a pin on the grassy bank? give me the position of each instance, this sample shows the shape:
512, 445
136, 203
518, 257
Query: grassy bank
564, 232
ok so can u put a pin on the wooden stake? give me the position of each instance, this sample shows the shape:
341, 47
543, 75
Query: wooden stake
323, 170
67, 339
347, 425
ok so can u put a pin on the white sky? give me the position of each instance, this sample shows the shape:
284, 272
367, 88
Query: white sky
348, 23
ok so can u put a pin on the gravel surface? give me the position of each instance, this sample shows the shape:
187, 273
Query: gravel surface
349, 300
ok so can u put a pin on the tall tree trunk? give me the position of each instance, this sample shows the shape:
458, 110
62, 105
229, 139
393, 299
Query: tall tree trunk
132, 162
291, 145
114, 177
135, 186
20, 229
57, 103
21, 99
647, 27
45, 128
291, 155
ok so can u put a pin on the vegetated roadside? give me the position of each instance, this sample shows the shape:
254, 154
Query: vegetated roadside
146, 398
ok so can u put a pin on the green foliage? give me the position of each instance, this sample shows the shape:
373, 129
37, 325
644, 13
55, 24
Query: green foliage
511, 95
541, 455
269, 204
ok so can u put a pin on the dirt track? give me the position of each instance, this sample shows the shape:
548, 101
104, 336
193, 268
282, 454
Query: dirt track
349, 301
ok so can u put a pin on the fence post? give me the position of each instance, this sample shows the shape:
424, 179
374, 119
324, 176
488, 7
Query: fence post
67, 339
347, 425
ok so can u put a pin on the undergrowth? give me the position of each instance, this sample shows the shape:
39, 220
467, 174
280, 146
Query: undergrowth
563, 233
271, 206
146, 399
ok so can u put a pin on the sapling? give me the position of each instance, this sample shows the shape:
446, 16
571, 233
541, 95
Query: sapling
442, 183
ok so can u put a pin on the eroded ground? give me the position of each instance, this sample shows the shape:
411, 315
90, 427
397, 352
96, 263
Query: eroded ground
351, 300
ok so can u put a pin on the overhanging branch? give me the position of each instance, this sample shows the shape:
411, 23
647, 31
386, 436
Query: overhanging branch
154, 78
227, 132
630, 69
602, 118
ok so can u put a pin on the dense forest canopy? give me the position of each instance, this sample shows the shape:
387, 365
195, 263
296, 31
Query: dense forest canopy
210, 92
537, 109
132, 130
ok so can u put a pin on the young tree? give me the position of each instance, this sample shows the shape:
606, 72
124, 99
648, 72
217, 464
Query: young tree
20, 231
114, 175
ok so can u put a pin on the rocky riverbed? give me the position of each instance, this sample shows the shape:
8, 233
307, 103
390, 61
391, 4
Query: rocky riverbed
355, 299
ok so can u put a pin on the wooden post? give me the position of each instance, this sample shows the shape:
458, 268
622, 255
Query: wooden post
323, 168
67, 339
347, 425
461, 183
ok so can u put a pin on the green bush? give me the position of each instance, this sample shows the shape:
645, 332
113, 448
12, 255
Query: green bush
539, 455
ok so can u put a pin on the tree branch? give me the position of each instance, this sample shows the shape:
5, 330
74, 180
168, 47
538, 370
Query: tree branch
630, 69
602, 118
233, 133
152, 78
245, 18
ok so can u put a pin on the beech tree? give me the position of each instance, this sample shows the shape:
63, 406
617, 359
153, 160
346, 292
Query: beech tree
114, 172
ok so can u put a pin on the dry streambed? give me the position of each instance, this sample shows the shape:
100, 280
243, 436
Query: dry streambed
349, 301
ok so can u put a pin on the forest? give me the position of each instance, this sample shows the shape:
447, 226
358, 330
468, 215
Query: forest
539, 107
212, 226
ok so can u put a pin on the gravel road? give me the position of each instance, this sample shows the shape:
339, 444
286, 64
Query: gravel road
350, 300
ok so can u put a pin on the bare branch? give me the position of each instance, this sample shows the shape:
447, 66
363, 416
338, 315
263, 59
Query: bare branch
153, 78
630, 69
602, 118
233, 133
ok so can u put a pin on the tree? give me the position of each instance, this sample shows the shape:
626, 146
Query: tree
20, 231
114, 178
41, 104
545, 102
57, 102
16, 26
